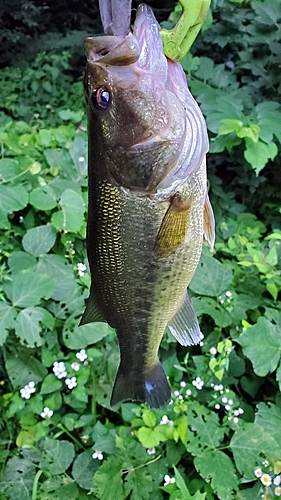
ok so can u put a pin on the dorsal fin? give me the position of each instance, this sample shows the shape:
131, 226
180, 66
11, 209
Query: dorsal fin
173, 229
209, 222
184, 325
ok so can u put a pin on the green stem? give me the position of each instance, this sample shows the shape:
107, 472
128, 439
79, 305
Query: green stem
65, 431
35, 484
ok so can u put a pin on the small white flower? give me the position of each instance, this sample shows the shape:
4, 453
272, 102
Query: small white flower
277, 491
228, 294
20, 219
221, 301
27, 390
151, 451
59, 369
97, 454
24, 393
227, 407
213, 351
236, 420
227, 390
75, 366
31, 387
201, 344
236, 413
168, 480
81, 268
188, 392
46, 412
230, 402
241, 411
198, 383
81, 159
183, 383
166, 421
266, 479
81, 355
277, 480
224, 400
217, 406
258, 472
218, 387
176, 393
71, 382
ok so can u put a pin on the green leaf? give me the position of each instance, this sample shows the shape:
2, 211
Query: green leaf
83, 470
138, 485
60, 161
268, 417
229, 125
108, 484
23, 368
79, 152
50, 384
12, 198
28, 325
211, 278
150, 438
28, 288
268, 12
149, 418
71, 216
7, 314
258, 153
57, 456
261, 343
206, 305
251, 446
85, 335
216, 466
39, 240
43, 198
20, 261
9, 169
18, 479
60, 271
206, 431
181, 485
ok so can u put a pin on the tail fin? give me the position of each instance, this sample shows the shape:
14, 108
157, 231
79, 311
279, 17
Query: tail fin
149, 387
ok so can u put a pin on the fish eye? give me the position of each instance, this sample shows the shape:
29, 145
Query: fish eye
101, 98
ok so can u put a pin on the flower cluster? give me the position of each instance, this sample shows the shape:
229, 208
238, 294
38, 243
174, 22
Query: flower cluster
225, 402
59, 369
168, 480
46, 412
198, 383
165, 420
81, 268
27, 390
71, 382
97, 454
151, 451
267, 480
81, 355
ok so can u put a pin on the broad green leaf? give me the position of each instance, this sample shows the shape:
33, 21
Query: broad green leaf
83, 469
269, 418
268, 114
216, 466
18, 478
23, 368
252, 132
60, 271
258, 153
57, 456
28, 325
206, 305
150, 438
108, 483
261, 343
60, 161
68, 491
9, 170
251, 446
39, 240
13, 198
20, 261
7, 315
139, 485
149, 418
85, 335
43, 198
211, 278
181, 485
71, 216
268, 12
79, 152
206, 430
28, 288
50, 384
229, 125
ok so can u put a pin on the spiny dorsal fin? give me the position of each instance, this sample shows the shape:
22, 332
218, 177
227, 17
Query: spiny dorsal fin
209, 222
173, 229
184, 325
92, 312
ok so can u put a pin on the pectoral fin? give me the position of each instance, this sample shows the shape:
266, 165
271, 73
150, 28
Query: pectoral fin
92, 312
209, 222
184, 325
172, 232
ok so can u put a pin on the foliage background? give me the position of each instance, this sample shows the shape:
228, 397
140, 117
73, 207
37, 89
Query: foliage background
224, 421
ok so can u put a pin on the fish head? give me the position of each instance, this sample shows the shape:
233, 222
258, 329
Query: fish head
138, 102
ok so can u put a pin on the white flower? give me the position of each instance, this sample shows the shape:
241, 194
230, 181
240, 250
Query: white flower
241, 411
46, 412
71, 382
188, 392
151, 451
230, 402
228, 294
176, 393
236, 420
277, 491
213, 351
27, 390
198, 383
236, 413
277, 480
165, 420
183, 383
217, 406
81, 159
266, 479
180, 397
97, 454
258, 472
75, 366
168, 480
81, 355
59, 369
201, 344
81, 268
218, 387
224, 400
227, 407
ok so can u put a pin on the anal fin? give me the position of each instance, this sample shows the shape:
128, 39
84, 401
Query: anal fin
173, 229
92, 312
184, 325
209, 222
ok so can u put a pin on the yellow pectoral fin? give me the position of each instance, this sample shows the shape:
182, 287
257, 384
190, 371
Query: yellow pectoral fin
172, 232
209, 222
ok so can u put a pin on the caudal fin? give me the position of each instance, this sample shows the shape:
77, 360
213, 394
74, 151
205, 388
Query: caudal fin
150, 387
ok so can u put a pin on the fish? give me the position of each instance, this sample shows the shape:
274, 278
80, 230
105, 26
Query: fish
148, 202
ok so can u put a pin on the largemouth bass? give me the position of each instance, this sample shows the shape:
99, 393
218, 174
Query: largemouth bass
148, 202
